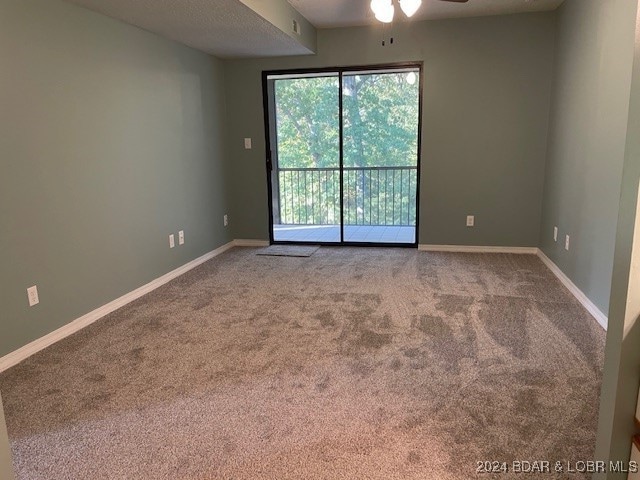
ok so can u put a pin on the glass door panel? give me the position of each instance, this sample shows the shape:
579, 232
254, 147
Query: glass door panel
306, 174
380, 118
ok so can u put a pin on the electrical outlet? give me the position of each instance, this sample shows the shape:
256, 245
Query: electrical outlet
225, 220
181, 237
32, 295
566, 242
247, 143
172, 241
471, 220
555, 234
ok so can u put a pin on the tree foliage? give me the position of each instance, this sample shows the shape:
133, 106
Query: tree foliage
380, 121
307, 112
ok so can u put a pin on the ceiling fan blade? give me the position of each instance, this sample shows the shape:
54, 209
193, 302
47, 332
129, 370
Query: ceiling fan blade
455, 1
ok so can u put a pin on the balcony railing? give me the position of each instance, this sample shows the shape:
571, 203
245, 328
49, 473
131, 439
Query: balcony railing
371, 196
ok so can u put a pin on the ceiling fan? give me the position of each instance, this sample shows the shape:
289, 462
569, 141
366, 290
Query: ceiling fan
384, 9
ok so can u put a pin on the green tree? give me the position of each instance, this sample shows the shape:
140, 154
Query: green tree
380, 120
307, 111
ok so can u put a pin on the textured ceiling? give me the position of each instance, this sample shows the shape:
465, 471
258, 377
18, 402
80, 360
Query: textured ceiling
343, 13
230, 29
225, 28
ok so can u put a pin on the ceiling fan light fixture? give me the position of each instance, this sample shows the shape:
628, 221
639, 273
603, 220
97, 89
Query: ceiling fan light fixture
409, 7
377, 5
383, 10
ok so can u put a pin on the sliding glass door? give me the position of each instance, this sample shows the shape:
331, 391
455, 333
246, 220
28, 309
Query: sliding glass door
343, 155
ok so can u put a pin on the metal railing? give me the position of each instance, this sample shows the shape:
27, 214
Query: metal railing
371, 196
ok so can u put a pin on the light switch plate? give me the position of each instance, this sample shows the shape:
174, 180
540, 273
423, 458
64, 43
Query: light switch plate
247, 143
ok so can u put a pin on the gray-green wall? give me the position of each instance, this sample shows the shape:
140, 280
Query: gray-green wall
587, 131
487, 84
622, 356
111, 139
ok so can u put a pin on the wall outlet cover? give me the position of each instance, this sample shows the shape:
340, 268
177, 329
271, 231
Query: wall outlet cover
555, 234
566, 242
181, 237
32, 295
471, 220
247, 143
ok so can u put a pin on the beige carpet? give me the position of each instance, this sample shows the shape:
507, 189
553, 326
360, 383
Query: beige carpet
288, 250
350, 364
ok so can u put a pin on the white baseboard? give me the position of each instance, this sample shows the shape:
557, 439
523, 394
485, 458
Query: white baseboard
477, 249
600, 317
41, 343
250, 243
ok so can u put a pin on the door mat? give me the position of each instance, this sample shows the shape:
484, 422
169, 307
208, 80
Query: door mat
289, 250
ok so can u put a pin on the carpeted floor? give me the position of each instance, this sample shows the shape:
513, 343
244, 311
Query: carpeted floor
350, 364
